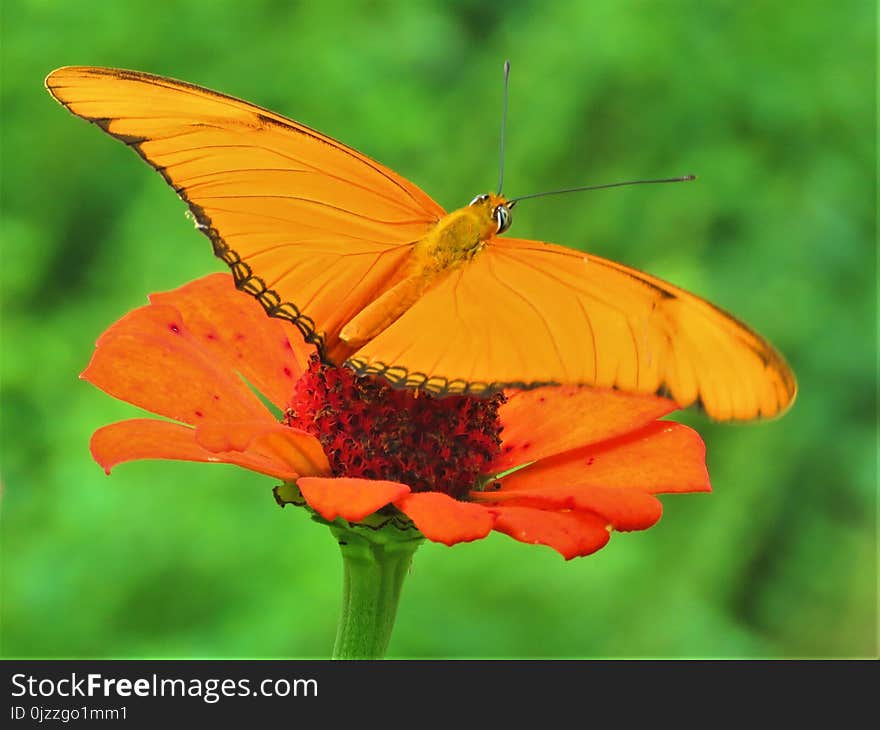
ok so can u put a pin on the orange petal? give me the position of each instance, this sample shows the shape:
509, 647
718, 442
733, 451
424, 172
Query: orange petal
301, 451
441, 518
232, 326
625, 509
546, 421
148, 438
571, 534
150, 359
661, 457
349, 498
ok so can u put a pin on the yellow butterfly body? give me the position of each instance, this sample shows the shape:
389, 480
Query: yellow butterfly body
455, 240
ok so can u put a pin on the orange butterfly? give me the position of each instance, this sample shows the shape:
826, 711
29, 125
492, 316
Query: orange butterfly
379, 277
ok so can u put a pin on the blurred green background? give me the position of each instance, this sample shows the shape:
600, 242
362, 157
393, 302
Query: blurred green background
771, 104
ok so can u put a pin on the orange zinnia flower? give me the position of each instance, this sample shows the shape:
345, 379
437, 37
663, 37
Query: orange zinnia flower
560, 466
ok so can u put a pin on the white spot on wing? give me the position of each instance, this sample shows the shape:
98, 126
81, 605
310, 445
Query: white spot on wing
198, 224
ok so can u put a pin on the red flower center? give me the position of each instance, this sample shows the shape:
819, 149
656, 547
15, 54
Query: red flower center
372, 431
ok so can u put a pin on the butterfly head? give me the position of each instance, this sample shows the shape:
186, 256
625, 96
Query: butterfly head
494, 211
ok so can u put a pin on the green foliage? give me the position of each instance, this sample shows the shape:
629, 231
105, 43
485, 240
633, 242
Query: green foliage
770, 104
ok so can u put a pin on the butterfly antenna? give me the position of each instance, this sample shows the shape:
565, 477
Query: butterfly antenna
683, 178
503, 124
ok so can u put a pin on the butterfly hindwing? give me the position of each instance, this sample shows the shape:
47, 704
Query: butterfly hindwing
562, 316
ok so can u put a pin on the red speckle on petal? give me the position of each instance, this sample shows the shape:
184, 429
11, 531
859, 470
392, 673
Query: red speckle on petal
211, 336
287, 371
174, 328
199, 414
591, 460
239, 336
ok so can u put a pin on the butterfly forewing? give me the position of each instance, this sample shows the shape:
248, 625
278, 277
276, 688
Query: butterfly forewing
313, 228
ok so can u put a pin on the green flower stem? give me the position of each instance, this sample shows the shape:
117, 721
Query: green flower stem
375, 564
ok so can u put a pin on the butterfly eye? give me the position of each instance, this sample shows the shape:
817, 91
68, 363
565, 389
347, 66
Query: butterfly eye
479, 199
502, 217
